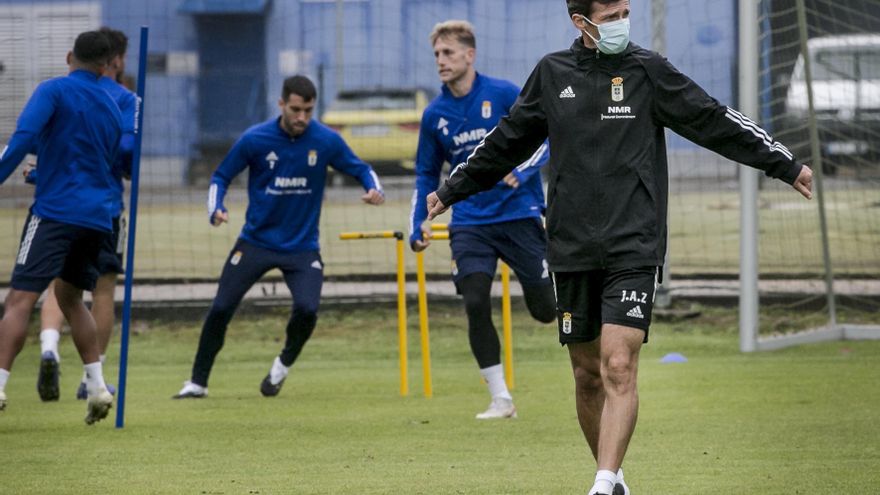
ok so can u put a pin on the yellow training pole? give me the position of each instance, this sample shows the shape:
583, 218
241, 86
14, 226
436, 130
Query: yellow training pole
401, 295
507, 324
373, 234
401, 317
423, 323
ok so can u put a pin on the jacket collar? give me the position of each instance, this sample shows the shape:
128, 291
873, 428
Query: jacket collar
282, 133
478, 82
84, 75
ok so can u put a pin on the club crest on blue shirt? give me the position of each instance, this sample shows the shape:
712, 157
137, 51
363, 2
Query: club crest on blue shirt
487, 109
271, 158
313, 158
235, 258
617, 89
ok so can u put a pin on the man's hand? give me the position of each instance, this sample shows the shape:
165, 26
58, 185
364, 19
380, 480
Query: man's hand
421, 245
219, 217
511, 180
26, 171
435, 206
373, 197
804, 182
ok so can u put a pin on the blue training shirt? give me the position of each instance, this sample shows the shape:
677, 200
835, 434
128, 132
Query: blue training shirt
450, 130
286, 177
127, 102
74, 127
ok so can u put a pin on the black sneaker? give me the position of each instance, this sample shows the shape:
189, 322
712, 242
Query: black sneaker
269, 390
47, 381
620, 489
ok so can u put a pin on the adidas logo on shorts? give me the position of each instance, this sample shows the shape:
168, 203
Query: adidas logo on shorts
636, 312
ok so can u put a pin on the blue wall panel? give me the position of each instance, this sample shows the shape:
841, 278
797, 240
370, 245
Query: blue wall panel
385, 43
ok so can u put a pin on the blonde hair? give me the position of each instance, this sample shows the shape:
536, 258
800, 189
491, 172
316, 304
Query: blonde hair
462, 31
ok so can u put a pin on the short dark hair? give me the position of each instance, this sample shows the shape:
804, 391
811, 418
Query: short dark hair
584, 7
298, 85
92, 48
118, 41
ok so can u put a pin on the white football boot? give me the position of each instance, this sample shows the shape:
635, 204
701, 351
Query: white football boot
499, 408
191, 390
98, 406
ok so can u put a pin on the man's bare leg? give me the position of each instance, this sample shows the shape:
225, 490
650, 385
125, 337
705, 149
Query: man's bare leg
13, 331
104, 309
13, 326
82, 325
589, 393
619, 354
51, 320
82, 328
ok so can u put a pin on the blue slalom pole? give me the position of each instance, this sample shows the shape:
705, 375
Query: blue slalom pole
132, 227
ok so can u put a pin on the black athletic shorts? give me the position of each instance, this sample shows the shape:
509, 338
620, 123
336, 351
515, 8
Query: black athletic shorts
587, 300
110, 257
521, 244
51, 249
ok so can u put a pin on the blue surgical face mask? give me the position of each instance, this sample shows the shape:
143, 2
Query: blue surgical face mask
613, 36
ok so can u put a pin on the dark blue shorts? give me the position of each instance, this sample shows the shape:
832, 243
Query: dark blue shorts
51, 249
522, 244
303, 273
110, 257
587, 300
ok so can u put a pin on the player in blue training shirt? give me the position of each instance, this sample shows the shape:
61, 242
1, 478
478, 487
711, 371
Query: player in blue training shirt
287, 160
110, 257
75, 128
504, 222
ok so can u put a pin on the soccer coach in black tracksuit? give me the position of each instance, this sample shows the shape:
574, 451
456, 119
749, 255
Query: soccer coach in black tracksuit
605, 111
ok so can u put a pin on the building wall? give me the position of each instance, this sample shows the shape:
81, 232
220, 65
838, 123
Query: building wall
385, 43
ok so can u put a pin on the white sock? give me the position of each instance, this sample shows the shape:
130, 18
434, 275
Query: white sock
94, 378
278, 371
4, 376
102, 357
494, 376
49, 342
605, 481
619, 475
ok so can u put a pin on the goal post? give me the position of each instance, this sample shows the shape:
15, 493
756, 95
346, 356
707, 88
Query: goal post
825, 138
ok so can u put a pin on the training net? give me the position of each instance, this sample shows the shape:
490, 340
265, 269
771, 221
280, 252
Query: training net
215, 68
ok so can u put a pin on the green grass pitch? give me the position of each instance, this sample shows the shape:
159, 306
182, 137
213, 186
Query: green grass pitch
798, 421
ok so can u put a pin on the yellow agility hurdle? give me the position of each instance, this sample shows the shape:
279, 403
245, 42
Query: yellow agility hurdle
401, 296
440, 232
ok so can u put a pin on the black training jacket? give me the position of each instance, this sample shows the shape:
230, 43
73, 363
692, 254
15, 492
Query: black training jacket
605, 116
